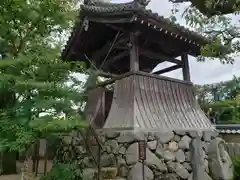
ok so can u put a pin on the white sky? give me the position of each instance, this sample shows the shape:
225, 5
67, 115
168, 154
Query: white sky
201, 72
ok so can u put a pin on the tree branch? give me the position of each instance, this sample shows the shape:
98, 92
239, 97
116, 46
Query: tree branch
213, 7
28, 34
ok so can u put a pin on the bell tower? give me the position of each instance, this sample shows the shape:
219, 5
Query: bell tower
125, 42
148, 124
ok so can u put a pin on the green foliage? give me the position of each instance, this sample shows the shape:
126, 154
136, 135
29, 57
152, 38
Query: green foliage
23, 22
42, 99
35, 98
64, 172
214, 7
222, 98
236, 164
220, 29
66, 164
226, 111
221, 104
227, 90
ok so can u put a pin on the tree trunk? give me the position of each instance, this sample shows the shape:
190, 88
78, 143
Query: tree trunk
9, 165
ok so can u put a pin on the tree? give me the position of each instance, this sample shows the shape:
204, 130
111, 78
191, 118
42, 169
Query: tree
34, 94
214, 7
226, 90
222, 99
214, 19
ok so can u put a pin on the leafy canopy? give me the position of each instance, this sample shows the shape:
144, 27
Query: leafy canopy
222, 98
214, 7
213, 19
35, 98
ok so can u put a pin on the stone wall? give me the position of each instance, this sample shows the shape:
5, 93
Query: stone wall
168, 156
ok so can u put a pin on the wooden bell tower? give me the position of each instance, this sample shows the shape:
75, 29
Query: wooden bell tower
125, 42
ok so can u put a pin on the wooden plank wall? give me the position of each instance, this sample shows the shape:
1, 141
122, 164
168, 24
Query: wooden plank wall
233, 149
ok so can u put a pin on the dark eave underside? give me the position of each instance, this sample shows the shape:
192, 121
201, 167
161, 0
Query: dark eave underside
152, 18
104, 22
89, 43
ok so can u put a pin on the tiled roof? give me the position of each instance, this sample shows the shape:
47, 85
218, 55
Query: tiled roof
134, 14
107, 8
228, 128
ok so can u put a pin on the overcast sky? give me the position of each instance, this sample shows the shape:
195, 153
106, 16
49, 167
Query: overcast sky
201, 72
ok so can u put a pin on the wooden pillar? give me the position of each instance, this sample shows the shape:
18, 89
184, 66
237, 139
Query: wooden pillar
37, 158
185, 68
45, 157
34, 157
134, 56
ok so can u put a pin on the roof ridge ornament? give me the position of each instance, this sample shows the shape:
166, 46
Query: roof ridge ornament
95, 2
142, 3
138, 3
88, 2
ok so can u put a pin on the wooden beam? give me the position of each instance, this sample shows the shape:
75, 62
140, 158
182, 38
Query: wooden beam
179, 45
152, 55
103, 51
117, 28
111, 81
118, 56
185, 68
34, 159
122, 47
45, 157
172, 68
110, 49
159, 56
100, 53
38, 158
122, 41
154, 37
106, 75
148, 70
134, 55
115, 58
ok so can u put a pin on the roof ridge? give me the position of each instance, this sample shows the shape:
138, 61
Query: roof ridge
131, 6
138, 3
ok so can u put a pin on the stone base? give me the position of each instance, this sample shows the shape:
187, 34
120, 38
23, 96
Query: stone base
168, 156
